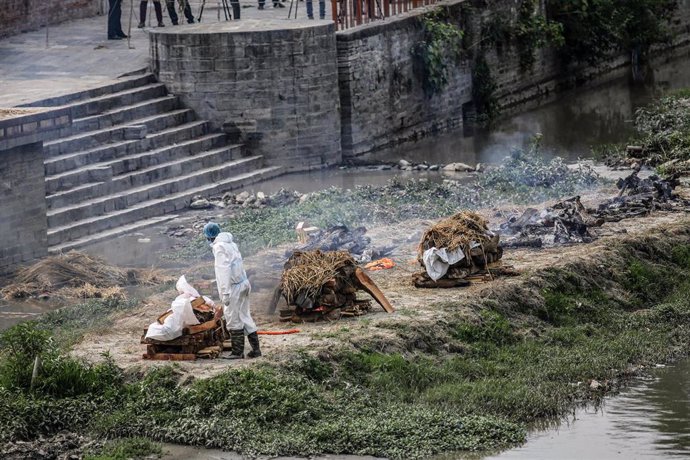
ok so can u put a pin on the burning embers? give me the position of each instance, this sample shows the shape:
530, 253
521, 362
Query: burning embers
455, 249
323, 285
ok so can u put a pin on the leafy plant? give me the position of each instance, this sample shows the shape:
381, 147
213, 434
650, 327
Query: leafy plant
441, 47
533, 31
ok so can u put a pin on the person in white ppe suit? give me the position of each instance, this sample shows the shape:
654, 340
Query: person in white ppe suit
233, 289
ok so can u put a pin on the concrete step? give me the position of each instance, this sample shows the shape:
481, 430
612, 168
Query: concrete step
187, 132
93, 106
129, 197
170, 202
67, 180
124, 115
179, 167
108, 234
91, 139
122, 85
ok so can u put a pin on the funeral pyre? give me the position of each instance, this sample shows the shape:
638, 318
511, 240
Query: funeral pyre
192, 328
570, 221
455, 249
320, 285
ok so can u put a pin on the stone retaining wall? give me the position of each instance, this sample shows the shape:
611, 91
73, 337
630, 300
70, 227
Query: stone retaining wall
272, 84
24, 224
18, 16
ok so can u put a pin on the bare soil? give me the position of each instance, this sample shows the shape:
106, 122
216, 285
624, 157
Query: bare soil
412, 305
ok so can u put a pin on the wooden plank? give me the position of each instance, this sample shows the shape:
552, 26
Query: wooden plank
370, 287
277, 292
170, 357
207, 326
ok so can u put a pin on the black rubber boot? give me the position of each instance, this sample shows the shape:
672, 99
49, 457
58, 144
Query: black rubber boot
254, 342
237, 340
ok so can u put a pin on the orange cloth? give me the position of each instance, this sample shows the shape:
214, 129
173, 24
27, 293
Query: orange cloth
381, 264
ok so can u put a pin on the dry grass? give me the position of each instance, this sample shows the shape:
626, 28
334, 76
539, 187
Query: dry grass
457, 231
78, 275
310, 270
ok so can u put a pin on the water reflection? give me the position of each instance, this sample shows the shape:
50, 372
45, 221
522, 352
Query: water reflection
650, 419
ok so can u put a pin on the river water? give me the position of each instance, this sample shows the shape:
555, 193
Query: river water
650, 419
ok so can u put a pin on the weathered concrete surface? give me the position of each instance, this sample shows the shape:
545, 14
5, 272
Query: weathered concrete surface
272, 84
23, 15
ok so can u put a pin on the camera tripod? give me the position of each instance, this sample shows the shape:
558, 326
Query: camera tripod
225, 4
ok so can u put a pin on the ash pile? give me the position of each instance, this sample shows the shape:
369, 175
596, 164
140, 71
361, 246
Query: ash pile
339, 238
639, 197
323, 285
567, 221
456, 250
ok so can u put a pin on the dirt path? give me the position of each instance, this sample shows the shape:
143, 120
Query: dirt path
413, 305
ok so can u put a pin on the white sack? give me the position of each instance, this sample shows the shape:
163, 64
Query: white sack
183, 287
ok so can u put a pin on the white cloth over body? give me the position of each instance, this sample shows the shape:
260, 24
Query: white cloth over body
232, 282
438, 261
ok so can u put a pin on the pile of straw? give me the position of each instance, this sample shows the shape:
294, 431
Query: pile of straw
76, 274
456, 232
310, 270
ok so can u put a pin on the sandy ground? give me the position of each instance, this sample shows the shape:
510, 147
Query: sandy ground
122, 339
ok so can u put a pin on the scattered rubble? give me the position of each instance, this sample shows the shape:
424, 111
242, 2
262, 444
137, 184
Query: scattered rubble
341, 238
565, 222
321, 285
455, 249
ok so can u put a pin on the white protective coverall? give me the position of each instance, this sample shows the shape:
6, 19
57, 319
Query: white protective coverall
233, 285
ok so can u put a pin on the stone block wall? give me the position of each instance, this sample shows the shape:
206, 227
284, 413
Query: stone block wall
23, 220
18, 16
382, 97
383, 100
271, 84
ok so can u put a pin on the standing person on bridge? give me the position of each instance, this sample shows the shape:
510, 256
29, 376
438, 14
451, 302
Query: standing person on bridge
233, 289
115, 31
143, 6
322, 9
184, 6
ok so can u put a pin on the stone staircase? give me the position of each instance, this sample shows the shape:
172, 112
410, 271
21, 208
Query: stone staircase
107, 175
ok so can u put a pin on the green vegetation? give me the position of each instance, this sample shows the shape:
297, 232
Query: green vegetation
126, 449
441, 48
524, 177
473, 382
483, 92
592, 29
533, 31
663, 132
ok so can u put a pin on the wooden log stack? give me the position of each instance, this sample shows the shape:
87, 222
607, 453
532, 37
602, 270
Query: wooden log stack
320, 285
204, 340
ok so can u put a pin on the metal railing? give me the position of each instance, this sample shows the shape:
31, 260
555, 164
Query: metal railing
353, 13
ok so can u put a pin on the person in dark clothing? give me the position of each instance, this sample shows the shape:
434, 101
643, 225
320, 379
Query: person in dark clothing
143, 6
186, 9
322, 9
115, 31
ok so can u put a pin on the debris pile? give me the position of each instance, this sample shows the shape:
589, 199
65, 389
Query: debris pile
79, 275
192, 328
341, 238
323, 285
456, 248
639, 197
565, 222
